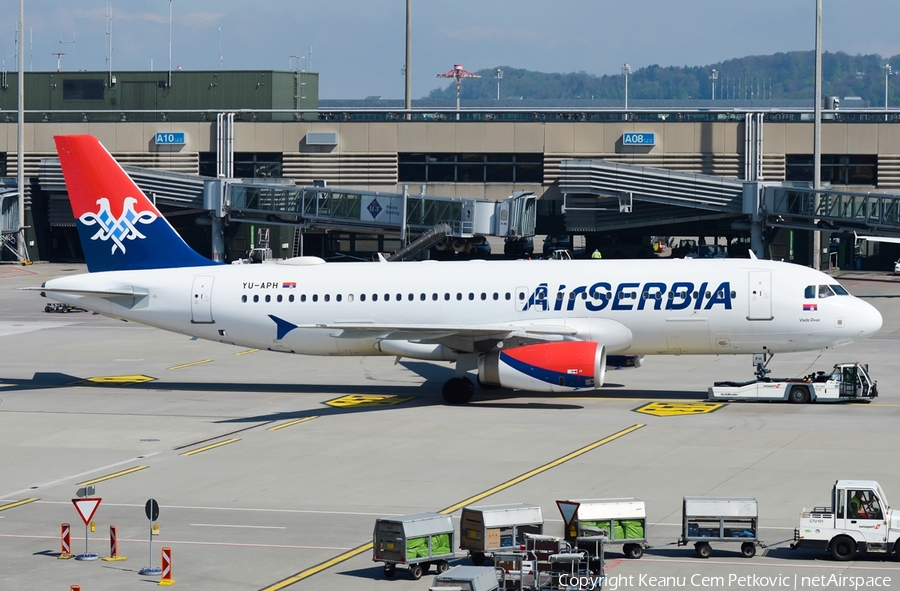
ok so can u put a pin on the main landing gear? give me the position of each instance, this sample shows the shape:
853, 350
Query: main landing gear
458, 390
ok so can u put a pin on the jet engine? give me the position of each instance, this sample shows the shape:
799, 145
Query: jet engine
563, 366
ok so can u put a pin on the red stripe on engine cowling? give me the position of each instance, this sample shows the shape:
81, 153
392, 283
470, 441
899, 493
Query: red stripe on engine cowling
560, 357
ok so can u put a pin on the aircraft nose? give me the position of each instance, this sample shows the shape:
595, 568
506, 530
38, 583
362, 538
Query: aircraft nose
869, 320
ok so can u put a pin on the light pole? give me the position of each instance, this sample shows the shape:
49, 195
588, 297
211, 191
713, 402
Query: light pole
714, 77
457, 73
887, 72
626, 69
499, 78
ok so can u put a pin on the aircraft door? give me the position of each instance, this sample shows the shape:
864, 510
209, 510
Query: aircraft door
760, 296
201, 300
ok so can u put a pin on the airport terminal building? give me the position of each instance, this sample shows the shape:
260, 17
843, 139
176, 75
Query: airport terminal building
658, 169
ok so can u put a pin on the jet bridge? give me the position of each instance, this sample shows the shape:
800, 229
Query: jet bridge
600, 195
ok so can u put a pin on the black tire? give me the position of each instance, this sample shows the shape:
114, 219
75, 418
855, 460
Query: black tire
843, 548
748, 549
703, 549
389, 570
458, 390
799, 395
897, 550
415, 571
633, 551
477, 558
443, 566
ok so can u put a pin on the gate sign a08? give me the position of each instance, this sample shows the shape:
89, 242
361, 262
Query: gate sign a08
639, 139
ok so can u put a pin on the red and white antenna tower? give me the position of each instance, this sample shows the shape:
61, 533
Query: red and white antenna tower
457, 73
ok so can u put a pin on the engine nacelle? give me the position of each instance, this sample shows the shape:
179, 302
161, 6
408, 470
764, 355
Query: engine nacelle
564, 366
624, 361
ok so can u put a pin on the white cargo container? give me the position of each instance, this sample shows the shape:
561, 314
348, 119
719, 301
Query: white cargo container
415, 541
623, 522
497, 528
467, 578
720, 519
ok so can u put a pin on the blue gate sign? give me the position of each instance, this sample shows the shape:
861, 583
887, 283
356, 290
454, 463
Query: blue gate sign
169, 137
638, 139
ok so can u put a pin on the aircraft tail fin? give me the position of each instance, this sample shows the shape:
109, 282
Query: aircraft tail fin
120, 228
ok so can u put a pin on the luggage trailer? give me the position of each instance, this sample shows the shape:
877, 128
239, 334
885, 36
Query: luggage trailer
415, 542
497, 528
720, 519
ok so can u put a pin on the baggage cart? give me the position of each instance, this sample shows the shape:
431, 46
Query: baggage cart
617, 522
467, 578
720, 519
497, 528
415, 542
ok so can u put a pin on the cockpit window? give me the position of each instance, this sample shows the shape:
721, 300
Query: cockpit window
825, 291
839, 289
810, 292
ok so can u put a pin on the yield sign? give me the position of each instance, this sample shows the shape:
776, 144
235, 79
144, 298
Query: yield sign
568, 509
86, 507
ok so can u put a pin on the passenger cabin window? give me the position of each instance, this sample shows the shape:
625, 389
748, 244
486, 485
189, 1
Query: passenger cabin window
825, 291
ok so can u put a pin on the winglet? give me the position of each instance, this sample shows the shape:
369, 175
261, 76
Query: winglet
120, 228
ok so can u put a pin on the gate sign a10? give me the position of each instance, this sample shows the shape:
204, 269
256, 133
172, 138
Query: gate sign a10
639, 139
169, 137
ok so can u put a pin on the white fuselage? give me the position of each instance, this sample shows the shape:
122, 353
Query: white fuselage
682, 306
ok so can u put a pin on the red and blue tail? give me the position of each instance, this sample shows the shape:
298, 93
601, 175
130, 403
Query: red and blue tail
120, 228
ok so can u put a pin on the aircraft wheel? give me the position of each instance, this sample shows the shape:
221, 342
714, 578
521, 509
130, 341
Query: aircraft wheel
458, 390
477, 558
843, 548
748, 549
703, 549
799, 395
416, 571
389, 570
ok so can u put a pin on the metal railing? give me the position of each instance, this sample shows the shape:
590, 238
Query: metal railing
874, 211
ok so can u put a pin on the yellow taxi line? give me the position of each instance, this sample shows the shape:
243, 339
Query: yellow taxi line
289, 423
208, 447
17, 503
113, 475
202, 361
305, 574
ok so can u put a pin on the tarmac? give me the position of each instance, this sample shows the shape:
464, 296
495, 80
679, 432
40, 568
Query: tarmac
270, 470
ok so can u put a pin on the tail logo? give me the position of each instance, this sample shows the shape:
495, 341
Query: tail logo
119, 229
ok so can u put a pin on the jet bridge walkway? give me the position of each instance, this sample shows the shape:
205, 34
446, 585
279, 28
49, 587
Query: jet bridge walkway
600, 195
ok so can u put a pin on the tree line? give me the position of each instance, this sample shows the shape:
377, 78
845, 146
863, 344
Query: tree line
782, 76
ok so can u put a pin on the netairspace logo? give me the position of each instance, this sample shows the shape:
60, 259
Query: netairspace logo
732, 581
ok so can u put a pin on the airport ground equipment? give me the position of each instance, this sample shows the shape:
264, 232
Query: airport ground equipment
415, 542
619, 522
847, 381
467, 578
497, 528
549, 562
720, 519
859, 519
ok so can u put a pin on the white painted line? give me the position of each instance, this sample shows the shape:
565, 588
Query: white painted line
297, 511
858, 566
184, 542
80, 475
245, 526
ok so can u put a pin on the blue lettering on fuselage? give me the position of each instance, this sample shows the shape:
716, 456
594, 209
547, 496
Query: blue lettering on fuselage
681, 295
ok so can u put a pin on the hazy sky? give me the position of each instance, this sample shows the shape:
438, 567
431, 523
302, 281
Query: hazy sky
358, 45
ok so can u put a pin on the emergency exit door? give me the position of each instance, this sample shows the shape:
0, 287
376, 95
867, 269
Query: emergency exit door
760, 296
201, 300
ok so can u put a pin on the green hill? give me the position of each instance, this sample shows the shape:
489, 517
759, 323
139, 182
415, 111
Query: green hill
779, 76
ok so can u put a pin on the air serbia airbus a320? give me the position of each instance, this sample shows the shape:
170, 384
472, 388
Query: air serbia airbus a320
543, 326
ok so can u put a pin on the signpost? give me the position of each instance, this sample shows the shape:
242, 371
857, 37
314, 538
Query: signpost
86, 507
151, 510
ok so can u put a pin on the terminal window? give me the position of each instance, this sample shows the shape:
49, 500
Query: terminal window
83, 90
837, 169
470, 168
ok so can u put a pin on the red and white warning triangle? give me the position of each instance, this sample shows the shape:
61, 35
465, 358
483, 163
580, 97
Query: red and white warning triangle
568, 510
87, 507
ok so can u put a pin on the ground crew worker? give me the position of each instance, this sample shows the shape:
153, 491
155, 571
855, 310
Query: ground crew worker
596, 254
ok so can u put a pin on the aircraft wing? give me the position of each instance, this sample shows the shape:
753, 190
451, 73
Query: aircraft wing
458, 337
